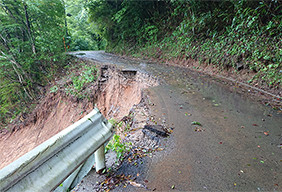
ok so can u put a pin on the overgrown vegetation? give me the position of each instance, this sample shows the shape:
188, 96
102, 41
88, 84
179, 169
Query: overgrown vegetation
228, 34
115, 144
82, 34
118, 147
32, 34
81, 77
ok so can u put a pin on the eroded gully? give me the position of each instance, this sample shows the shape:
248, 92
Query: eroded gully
237, 148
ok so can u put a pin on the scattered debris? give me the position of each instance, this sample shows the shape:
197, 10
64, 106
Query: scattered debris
157, 129
188, 114
112, 180
133, 183
198, 129
266, 133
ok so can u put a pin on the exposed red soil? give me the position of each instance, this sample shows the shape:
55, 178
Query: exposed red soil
115, 95
121, 92
54, 113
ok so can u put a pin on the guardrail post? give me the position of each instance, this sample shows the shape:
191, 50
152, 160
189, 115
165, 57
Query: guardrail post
54, 162
100, 158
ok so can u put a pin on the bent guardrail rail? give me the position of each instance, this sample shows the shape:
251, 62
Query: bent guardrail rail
61, 160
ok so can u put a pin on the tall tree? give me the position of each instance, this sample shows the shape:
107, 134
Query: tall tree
83, 35
31, 38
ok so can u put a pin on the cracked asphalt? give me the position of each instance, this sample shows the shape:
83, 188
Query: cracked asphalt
237, 147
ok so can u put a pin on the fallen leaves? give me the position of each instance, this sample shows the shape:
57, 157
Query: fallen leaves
135, 184
196, 123
266, 133
240, 172
112, 180
169, 130
198, 129
188, 114
139, 152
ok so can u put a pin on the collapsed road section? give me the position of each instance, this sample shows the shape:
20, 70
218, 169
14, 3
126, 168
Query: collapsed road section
116, 93
120, 90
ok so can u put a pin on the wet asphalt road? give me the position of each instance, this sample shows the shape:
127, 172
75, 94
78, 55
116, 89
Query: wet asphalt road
231, 151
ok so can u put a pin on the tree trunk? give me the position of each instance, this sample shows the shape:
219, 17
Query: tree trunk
29, 29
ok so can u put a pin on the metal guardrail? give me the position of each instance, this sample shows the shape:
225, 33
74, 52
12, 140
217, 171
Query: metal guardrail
61, 161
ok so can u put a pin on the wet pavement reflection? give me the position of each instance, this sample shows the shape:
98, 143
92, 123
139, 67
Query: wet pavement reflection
237, 147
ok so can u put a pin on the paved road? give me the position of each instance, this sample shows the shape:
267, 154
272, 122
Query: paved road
231, 151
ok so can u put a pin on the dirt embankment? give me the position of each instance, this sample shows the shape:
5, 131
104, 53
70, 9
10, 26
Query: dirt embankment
114, 93
119, 91
54, 113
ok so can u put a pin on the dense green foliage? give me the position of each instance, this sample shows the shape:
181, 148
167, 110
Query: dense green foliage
85, 75
229, 34
82, 35
32, 34
128, 22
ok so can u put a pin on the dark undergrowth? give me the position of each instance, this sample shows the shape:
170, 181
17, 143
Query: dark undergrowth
231, 35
